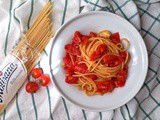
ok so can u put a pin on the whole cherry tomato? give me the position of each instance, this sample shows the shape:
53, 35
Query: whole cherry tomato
44, 80
36, 72
31, 87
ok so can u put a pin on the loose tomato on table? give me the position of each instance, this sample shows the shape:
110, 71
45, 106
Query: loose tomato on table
71, 80
36, 72
44, 80
115, 38
77, 38
71, 49
31, 87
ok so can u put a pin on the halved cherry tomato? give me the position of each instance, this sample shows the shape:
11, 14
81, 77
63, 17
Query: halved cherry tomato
123, 54
92, 34
44, 80
36, 72
70, 71
110, 59
67, 60
71, 80
82, 68
31, 87
71, 49
85, 39
79, 59
125, 68
120, 59
102, 85
122, 73
120, 82
94, 56
77, 38
93, 77
102, 49
111, 86
115, 38
106, 86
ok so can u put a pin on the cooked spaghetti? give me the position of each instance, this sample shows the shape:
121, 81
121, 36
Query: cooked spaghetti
97, 63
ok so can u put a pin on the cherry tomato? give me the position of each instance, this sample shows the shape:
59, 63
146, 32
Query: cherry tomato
123, 54
120, 82
94, 56
36, 72
93, 77
71, 49
70, 71
102, 49
111, 86
44, 80
82, 68
71, 80
79, 59
31, 87
122, 73
67, 60
103, 87
110, 59
125, 68
92, 34
85, 40
115, 38
77, 37
121, 78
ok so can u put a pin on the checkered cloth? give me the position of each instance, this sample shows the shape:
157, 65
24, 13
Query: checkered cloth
47, 103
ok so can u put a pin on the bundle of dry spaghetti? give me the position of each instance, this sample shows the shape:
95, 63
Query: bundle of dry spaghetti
18, 64
35, 40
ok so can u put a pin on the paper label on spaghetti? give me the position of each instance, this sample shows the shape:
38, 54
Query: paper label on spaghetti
12, 75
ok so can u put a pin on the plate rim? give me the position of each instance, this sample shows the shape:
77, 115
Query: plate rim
142, 44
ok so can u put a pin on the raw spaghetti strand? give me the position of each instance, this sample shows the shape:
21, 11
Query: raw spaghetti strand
100, 62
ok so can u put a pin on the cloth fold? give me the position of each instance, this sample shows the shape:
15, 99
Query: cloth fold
47, 104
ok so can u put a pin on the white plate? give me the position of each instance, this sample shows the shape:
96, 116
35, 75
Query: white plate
97, 21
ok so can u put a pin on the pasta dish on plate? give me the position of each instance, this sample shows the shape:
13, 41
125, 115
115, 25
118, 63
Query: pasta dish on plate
97, 63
